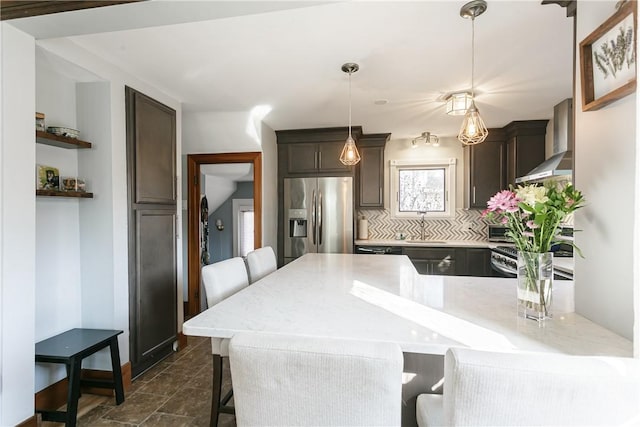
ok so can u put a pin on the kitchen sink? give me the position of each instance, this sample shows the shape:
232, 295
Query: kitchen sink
427, 241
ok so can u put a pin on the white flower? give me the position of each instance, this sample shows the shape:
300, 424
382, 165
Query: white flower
531, 194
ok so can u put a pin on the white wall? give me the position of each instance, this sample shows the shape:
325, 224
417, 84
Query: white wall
102, 238
235, 132
605, 170
269, 187
401, 149
17, 226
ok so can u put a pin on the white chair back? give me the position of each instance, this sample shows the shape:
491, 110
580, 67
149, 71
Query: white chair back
484, 388
223, 279
301, 381
260, 263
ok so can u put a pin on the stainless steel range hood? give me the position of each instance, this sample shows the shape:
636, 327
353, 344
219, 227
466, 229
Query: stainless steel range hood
561, 162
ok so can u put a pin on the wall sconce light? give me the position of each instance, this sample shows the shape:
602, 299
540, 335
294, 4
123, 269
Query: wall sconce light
426, 138
458, 103
219, 225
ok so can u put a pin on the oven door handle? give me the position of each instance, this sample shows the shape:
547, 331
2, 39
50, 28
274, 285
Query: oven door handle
372, 251
503, 270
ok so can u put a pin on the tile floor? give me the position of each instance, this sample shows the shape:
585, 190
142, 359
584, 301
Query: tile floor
174, 393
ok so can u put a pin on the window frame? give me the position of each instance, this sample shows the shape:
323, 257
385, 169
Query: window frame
450, 185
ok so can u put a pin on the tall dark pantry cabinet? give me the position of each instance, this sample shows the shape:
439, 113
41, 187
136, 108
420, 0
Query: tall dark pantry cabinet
151, 176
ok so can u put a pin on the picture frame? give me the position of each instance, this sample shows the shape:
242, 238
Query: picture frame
48, 178
72, 183
608, 60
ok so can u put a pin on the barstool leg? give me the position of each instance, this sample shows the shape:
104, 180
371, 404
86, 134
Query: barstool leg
217, 390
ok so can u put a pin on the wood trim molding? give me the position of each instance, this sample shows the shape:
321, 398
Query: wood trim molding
33, 421
182, 341
55, 395
14, 9
193, 225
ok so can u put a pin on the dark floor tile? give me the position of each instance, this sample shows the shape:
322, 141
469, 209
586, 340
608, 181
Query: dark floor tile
93, 416
165, 384
168, 420
136, 409
189, 402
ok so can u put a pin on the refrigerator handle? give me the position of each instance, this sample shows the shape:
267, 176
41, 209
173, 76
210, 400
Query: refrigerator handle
313, 217
319, 218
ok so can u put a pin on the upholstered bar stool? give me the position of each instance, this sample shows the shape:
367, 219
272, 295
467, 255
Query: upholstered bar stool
221, 280
282, 380
260, 263
483, 388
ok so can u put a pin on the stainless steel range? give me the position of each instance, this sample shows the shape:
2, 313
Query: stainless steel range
504, 261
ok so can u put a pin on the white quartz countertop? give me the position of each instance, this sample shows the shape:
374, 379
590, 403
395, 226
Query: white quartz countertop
382, 298
430, 243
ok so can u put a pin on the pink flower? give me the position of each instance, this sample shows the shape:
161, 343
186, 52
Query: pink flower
503, 201
531, 224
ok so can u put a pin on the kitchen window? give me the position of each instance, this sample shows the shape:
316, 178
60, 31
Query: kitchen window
423, 186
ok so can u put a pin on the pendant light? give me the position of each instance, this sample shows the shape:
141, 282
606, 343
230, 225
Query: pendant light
473, 130
350, 155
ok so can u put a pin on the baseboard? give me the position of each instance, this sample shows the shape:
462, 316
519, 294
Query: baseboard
33, 421
55, 395
182, 341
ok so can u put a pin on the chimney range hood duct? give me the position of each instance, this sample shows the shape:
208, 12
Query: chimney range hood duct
561, 162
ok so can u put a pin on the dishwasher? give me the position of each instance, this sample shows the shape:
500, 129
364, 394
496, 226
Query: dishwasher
379, 250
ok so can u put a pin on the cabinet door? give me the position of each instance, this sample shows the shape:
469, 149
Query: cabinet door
487, 172
512, 150
371, 177
302, 159
329, 158
153, 276
478, 262
530, 153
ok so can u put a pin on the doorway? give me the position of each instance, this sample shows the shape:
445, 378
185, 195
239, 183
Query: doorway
194, 163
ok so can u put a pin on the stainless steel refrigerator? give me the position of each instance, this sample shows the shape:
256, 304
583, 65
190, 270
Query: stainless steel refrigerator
318, 216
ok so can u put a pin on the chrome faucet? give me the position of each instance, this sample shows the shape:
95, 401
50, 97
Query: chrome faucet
422, 214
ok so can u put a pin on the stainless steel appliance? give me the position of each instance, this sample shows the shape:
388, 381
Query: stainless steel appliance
504, 261
318, 216
379, 250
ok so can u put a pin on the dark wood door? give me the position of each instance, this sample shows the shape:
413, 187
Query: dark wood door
371, 177
487, 169
329, 158
302, 159
151, 175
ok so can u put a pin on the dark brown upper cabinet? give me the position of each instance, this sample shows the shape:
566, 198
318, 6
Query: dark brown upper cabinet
487, 168
525, 147
313, 152
370, 171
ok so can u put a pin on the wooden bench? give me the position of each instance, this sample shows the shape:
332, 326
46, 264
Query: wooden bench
70, 348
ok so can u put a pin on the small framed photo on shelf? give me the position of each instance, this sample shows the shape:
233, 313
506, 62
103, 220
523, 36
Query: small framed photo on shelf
40, 122
71, 183
48, 178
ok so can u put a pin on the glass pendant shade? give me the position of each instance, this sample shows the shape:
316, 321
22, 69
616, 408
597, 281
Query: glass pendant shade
349, 155
473, 130
458, 103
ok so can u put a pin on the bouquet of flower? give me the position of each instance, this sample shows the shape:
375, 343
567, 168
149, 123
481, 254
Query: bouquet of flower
533, 213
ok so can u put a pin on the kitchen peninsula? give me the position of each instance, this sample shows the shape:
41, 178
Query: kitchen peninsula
382, 298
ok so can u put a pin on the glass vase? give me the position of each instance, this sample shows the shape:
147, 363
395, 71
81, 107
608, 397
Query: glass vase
535, 283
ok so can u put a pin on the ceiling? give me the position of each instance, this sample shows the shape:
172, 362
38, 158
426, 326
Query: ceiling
235, 56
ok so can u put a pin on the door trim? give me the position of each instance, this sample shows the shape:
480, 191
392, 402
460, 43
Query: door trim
194, 161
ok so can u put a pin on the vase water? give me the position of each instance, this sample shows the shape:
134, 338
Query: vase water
535, 285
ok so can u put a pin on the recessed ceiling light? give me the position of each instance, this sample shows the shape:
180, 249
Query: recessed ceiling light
381, 101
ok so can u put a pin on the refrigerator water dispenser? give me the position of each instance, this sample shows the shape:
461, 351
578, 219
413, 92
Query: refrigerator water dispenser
297, 223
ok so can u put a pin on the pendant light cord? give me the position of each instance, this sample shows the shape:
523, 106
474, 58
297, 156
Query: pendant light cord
350, 71
473, 33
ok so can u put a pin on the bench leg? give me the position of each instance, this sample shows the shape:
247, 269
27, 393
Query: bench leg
117, 370
73, 392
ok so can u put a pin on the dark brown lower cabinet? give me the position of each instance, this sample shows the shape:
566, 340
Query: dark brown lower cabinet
450, 261
151, 177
